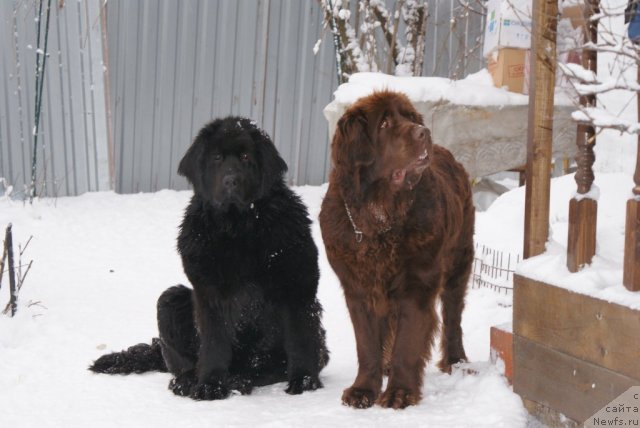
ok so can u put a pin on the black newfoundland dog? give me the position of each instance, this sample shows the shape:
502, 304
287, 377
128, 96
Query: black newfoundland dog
252, 318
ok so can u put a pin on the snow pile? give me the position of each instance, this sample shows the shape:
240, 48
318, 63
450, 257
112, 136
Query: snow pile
476, 89
502, 227
100, 262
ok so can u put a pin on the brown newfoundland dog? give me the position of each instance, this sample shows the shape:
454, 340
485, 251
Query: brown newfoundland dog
397, 223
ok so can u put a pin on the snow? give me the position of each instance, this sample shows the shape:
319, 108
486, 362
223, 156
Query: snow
603, 118
100, 262
502, 227
475, 89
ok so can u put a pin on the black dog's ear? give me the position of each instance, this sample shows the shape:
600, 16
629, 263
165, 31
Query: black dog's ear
272, 164
191, 164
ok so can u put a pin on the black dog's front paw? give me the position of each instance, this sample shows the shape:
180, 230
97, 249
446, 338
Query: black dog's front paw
240, 383
210, 391
182, 384
303, 383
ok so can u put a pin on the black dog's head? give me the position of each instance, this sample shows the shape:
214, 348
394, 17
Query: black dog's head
232, 163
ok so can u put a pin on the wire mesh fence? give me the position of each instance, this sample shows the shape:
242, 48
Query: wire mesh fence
494, 269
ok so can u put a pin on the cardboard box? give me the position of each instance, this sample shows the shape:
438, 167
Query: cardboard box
574, 12
507, 68
508, 25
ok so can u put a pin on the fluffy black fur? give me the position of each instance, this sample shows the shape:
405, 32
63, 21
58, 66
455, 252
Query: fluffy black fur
252, 317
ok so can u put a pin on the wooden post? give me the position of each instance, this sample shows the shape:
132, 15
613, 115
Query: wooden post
583, 212
540, 130
631, 276
13, 292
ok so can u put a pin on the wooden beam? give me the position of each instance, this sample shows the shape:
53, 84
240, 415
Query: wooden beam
609, 334
549, 417
631, 276
540, 130
569, 385
581, 243
583, 214
501, 346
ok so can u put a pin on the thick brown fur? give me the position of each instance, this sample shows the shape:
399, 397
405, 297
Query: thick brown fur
416, 217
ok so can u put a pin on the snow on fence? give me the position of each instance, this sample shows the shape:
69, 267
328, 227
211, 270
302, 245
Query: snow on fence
494, 269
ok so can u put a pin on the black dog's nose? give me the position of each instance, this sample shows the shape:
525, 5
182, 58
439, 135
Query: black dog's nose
419, 133
230, 181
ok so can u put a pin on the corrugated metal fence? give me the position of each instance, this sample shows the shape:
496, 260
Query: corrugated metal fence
72, 153
172, 66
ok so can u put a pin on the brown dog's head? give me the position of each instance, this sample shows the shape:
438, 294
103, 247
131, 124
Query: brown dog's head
381, 139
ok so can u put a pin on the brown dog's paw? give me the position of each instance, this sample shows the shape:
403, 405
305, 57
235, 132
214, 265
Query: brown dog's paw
398, 398
447, 364
359, 398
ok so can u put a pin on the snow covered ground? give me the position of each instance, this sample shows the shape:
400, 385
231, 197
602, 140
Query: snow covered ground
603, 278
100, 262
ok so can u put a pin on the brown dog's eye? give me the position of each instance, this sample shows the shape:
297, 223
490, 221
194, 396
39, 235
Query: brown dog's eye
385, 124
244, 157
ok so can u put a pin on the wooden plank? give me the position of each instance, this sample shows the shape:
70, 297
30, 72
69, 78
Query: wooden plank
501, 346
631, 275
566, 384
609, 334
581, 243
540, 131
549, 417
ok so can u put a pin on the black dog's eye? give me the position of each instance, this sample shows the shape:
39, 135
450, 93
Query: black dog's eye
217, 157
244, 157
385, 123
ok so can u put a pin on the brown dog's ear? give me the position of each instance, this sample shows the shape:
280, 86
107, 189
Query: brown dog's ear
351, 146
352, 150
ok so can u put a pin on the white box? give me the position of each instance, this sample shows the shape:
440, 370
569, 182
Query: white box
508, 25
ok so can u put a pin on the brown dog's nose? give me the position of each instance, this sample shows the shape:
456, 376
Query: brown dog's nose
419, 133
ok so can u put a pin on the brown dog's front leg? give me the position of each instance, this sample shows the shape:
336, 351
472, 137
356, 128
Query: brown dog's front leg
414, 336
367, 329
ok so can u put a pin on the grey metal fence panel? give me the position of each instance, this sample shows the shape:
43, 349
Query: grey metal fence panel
172, 66
72, 145
178, 64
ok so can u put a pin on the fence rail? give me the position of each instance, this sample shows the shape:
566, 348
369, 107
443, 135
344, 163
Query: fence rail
494, 269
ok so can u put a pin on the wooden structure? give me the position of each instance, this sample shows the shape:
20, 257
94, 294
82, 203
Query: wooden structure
581, 244
572, 353
540, 131
631, 277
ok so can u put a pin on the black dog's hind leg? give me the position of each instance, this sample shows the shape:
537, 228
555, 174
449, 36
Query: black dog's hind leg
178, 337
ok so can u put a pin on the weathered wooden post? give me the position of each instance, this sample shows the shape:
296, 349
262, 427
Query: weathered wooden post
540, 130
13, 292
631, 275
583, 210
